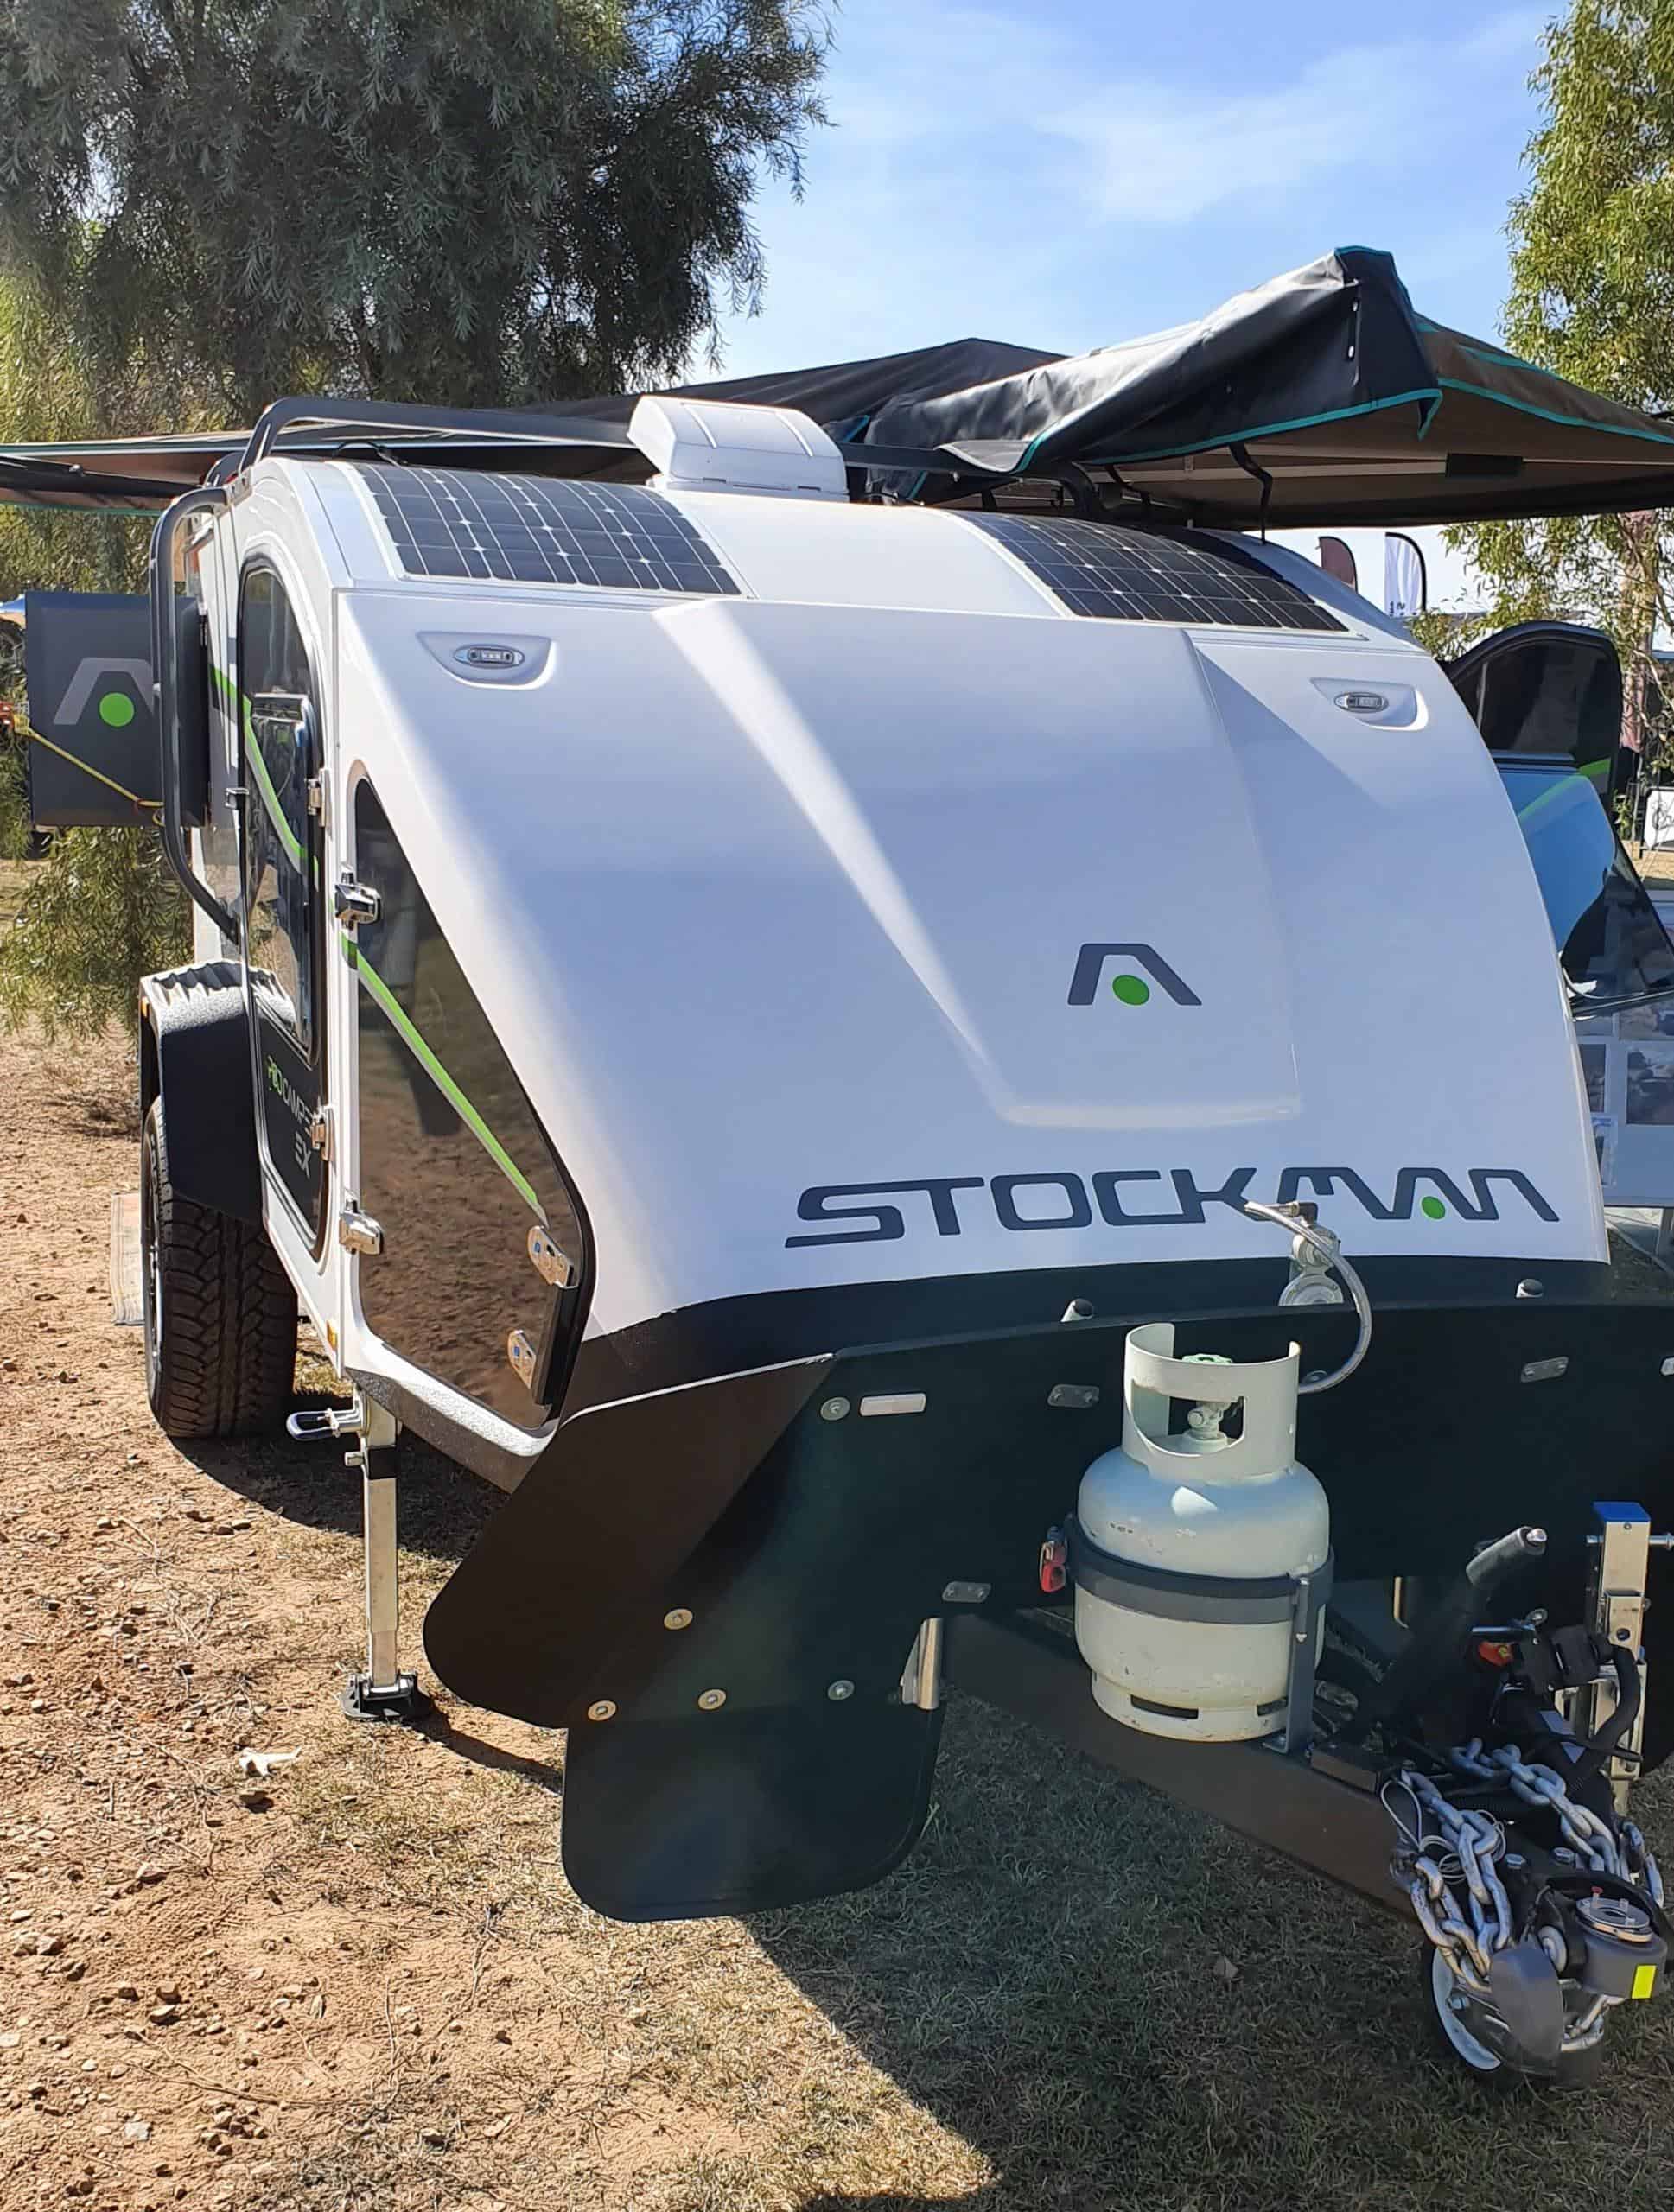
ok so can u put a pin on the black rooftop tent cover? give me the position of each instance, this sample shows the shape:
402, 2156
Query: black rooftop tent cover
1320, 398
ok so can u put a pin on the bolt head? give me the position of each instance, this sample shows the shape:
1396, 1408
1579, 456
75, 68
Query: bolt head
834, 1409
603, 1708
839, 1690
677, 1617
711, 1701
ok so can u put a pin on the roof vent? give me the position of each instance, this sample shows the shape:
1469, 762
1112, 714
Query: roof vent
708, 445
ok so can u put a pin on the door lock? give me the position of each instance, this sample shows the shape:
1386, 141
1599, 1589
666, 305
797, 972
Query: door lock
358, 1232
353, 902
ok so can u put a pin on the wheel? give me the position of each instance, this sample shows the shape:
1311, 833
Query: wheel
1576, 2069
220, 1310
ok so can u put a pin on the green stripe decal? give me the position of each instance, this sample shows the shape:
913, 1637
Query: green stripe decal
253, 754
264, 789
1565, 790
439, 1075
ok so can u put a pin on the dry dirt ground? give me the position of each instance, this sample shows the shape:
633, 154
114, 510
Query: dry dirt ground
364, 1984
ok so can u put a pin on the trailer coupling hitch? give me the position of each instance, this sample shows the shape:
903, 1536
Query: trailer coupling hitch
1534, 1941
1543, 1905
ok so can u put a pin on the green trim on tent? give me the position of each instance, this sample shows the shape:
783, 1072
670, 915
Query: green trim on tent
1550, 415
1429, 397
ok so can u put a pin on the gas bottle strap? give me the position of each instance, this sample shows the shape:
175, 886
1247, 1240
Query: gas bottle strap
1244, 1601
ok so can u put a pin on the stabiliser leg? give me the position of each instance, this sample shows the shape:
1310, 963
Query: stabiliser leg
383, 1691
1620, 1549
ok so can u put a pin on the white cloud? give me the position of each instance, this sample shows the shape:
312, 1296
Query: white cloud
1161, 153
1016, 175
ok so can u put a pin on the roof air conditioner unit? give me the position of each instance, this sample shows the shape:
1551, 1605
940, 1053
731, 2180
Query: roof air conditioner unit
707, 445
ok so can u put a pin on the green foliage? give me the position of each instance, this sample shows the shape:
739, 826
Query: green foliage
204, 204
101, 914
1592, 298
1444, 635
100, 910
470, 201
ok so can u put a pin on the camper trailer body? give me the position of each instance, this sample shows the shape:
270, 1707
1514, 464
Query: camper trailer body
783, 901
726, 1001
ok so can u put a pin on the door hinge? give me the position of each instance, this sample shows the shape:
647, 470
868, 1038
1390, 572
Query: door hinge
319, 1132
353, 902
555, 1266
358, 1232
315, 793
524, 1358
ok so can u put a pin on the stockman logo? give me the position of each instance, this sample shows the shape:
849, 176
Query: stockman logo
1130, 989
1138, 1198
116, 709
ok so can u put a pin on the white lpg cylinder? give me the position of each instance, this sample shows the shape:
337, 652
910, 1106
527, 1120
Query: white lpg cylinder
1201, 1504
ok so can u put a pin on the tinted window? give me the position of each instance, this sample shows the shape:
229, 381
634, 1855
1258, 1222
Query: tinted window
278, 707
454, 1167
1547, 696
278, 730
1610, 941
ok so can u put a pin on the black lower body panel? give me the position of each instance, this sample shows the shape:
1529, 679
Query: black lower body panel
772, 1534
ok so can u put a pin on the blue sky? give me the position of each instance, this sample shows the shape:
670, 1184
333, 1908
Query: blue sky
1074, 173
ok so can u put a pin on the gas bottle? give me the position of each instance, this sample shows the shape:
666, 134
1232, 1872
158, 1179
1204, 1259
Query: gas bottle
1169, 1526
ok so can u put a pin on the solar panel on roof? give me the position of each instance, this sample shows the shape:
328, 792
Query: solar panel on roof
1126, 575
541, 530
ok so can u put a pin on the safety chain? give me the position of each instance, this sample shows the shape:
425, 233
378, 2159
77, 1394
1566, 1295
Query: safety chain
1470, 1844
1601, 1848
1454, 1847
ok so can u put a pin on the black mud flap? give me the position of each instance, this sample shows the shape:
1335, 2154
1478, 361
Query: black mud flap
740, 1812
620, 1498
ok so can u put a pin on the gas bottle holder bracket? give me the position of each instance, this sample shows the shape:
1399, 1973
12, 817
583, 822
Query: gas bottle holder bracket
1242, 1601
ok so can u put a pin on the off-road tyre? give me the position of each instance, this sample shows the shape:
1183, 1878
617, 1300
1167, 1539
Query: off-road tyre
220, 1310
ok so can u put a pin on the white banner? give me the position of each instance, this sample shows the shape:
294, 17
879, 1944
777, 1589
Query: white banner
1403, 577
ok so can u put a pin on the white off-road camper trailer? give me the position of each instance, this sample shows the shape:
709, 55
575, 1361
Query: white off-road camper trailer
743, 952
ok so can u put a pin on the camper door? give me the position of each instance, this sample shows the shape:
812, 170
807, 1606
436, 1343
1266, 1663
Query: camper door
1548, 688
285, 924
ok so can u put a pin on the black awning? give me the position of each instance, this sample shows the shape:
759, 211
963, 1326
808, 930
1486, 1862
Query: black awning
1320, 398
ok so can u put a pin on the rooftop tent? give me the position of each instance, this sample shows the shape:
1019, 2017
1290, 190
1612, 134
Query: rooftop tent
1353, 407
1321, 396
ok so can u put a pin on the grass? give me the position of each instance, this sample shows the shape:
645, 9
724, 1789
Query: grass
1073, 1995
